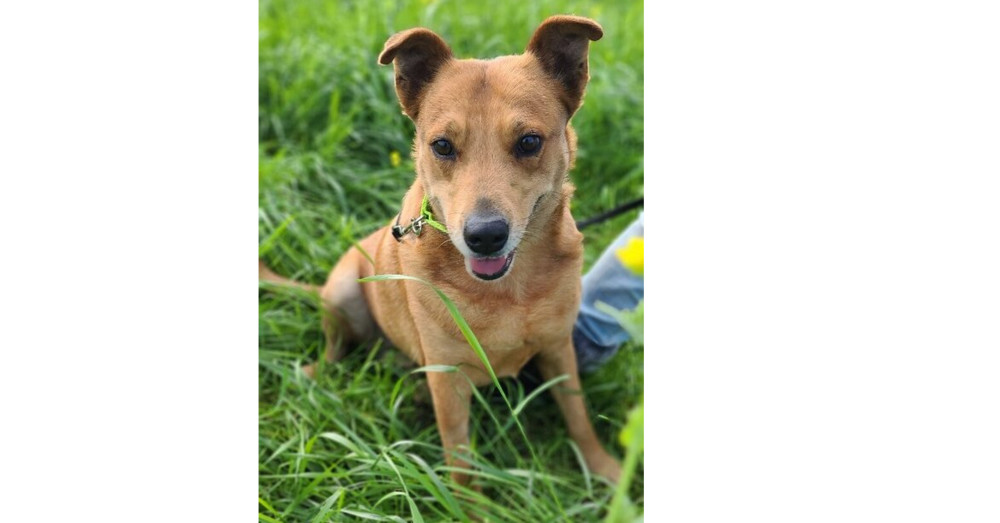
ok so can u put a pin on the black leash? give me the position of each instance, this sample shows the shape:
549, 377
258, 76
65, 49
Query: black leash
580, 224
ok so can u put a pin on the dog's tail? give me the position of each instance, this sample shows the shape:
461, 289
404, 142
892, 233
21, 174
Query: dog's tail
266, 274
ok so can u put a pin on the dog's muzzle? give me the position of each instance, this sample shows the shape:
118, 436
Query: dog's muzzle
486, 237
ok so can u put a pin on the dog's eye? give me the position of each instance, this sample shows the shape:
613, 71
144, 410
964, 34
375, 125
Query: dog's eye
443, 148
529, 145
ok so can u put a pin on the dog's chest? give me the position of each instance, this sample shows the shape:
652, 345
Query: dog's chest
512, 334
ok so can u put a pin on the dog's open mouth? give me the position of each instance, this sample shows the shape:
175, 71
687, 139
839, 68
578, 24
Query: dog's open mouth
491, 268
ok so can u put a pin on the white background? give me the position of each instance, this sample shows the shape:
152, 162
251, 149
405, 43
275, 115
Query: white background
823, 248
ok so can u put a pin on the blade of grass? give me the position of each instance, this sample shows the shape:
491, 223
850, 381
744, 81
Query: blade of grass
542, 388
440, 492
425, 368
268, 242
414, 512
326, 508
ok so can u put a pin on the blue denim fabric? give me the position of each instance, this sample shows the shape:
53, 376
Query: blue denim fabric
596, 335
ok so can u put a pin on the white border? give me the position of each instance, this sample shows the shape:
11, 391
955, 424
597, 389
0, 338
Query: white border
129, 201
823, 243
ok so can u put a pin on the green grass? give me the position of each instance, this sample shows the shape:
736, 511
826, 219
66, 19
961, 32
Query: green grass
359, 442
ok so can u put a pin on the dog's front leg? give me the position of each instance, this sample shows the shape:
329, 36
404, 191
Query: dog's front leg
569, 397
452, 393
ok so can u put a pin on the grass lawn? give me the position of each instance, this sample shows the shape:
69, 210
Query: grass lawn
359, 442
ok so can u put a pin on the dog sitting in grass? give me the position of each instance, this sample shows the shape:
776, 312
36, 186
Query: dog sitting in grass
487, 222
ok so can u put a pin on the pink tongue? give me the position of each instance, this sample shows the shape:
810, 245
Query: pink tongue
487, 266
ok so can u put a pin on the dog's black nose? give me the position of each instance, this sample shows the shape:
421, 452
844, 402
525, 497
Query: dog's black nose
486, 236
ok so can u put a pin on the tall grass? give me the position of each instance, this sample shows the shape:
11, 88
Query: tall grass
357, 442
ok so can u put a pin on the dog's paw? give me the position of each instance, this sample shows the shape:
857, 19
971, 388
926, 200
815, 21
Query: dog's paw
605, 466
309, 370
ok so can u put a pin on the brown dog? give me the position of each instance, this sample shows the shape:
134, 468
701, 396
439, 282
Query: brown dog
492, 149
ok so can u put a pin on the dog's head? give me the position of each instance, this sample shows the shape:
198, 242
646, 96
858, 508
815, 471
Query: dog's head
493, 141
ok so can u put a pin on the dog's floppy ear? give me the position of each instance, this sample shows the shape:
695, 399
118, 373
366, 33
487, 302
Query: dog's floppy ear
561, 44
418, 53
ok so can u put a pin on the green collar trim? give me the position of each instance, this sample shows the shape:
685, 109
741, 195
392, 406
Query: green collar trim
416, 225
428, 216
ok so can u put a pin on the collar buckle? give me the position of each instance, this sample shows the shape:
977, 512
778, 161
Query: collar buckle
416, 225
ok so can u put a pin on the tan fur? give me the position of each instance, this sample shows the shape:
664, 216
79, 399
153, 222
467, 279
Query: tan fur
483, 107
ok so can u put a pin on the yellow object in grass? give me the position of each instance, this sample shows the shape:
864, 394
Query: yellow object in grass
631, 255
395, 158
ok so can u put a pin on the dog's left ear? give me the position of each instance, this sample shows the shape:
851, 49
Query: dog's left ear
561, 44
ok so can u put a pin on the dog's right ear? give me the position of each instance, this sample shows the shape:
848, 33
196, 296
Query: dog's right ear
561, 44
417, 55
